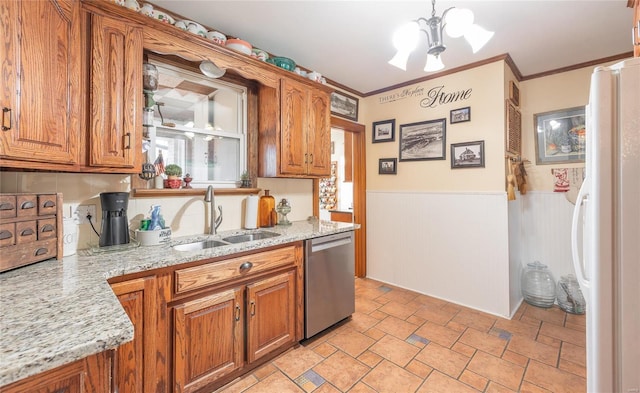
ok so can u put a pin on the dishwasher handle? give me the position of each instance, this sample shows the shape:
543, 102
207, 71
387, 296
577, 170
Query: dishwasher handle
330, 242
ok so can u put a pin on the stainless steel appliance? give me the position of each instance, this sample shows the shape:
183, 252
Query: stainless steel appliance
329, 281
115, 226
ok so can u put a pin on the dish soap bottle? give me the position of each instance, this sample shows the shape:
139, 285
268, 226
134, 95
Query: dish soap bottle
266, 208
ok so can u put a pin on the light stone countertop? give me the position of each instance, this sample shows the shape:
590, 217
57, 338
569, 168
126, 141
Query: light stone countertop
55, 312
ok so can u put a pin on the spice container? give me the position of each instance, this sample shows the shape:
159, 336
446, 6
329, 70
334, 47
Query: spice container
266, 210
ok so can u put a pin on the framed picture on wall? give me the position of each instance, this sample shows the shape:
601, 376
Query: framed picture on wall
425, 140
460, 115
467, 155
560, 136
387, 166
514, 93
344, 105
384, 131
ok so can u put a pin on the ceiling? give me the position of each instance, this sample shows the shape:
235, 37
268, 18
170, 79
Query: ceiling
350, 42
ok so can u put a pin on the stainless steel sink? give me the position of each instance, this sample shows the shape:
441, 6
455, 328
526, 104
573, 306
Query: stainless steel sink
247, 237
201, 245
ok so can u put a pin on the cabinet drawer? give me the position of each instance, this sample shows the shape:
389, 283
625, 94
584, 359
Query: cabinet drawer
197, 277
27, 205
7, 206
46, 228
26, 231
7, 234
24, 254
47, 204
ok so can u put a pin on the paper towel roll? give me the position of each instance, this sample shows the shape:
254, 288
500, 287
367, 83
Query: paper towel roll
251, 212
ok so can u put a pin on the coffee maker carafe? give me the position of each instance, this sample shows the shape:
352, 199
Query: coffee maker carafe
115, 226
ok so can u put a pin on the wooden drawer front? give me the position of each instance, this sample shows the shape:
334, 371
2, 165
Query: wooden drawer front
46, 228
7, 234
24, 254
201, 276
47, 204
26, 231
7, 206
27, 205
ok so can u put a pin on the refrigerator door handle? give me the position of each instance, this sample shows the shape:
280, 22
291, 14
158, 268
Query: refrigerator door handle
578, 264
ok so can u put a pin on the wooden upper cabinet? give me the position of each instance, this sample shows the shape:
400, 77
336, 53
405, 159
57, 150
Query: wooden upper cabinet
41, 95
319, 134
294, 119
116, 94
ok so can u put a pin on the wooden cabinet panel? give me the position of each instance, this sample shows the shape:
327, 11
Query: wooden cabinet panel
294, 118
208, 339
319, 134
271, 315
116, 94
41, 96
134, 365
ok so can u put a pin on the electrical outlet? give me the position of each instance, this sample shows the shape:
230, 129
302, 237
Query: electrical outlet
83, 210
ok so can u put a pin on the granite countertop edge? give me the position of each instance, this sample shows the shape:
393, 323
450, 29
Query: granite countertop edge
58, 311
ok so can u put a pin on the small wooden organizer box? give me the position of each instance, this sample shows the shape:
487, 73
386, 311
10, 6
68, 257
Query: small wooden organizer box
30, 229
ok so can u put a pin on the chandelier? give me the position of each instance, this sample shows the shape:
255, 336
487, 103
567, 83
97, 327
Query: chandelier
456, 23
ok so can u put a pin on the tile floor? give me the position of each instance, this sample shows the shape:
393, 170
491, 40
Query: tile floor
401, 341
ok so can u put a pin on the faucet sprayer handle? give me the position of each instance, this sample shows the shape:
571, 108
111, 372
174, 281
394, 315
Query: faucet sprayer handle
219, 218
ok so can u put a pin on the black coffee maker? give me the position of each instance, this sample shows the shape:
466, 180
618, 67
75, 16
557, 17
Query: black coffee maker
115, 226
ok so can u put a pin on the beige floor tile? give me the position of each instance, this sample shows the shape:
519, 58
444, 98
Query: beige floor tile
573, 326
389, 378
239, 385
296, 362
400, 295
458, 327
418, 368
483, 341
528, 387
576, 320
443, 359
416, 320
366, 305
351, 342
574, 354
474, 319
377, 314
361, 322
438, 334
436, 315
276, 382
497, 388
474, 380
361, 388
464, 349
341, 370
398, 310
396, 327
573, 368
264, 371
326, 388
564, 334
440, 383
515, 358
425, 299
395, 350
553, 379
325, 349
369, 358
553, 314
554, 342
534, 350
500, 371
517, 328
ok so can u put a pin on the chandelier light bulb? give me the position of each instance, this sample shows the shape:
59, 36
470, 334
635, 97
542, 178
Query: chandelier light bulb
477, 37
458, 21
400, 59
434, 63
406, 37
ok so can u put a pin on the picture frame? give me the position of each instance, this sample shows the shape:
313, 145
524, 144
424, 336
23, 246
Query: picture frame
344, 105
387, 166
424, 140
560, 136
514, 93
384, 131
460, 115
467, 155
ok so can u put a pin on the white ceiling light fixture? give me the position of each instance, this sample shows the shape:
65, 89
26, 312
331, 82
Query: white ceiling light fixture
456, 22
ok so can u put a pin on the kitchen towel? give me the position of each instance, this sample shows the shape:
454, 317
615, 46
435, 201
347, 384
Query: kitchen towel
251, 212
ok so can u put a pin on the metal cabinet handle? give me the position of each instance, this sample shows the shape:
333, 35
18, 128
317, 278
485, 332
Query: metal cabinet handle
253, 308
5, 235
311, 158
246, 266
49, 204
27, 232
6, 206
305, 158
48, 228
4, 115
27, 205
41, 251
237, 312
128, 144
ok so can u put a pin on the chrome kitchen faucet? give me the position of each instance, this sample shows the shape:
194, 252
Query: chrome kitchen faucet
215, 222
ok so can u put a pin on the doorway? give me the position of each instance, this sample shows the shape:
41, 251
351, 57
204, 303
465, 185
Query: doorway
348, 204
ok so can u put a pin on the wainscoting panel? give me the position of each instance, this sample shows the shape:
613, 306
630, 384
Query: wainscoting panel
454, 246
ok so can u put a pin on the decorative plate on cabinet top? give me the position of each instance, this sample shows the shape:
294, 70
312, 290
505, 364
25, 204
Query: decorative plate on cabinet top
282, 62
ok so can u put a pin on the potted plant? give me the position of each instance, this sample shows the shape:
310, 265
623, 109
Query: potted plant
245, 180
174, 175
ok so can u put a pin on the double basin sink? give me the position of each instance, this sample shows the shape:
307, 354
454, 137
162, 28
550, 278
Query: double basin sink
225, 241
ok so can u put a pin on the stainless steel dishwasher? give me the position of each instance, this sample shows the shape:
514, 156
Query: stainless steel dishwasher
329, 281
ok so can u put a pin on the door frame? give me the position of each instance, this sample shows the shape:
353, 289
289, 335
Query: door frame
359, 190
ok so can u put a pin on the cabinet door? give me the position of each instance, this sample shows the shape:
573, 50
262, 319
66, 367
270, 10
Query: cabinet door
294, 118
135, 361
271, 315
208, 339
319, 134
116, 94
40, 97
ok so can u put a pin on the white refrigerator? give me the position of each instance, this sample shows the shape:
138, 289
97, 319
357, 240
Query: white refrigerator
606, 229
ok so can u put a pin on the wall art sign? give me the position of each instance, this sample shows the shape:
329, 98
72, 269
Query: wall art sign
344, 105
384, 131
560, 136
432, 97
460, 115
423, 141
387, 166
467, 155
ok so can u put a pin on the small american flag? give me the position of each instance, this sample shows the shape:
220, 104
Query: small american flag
159, 164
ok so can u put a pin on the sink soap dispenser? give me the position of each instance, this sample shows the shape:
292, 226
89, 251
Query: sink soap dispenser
266, 206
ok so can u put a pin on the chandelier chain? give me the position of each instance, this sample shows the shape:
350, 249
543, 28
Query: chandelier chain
433, 8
